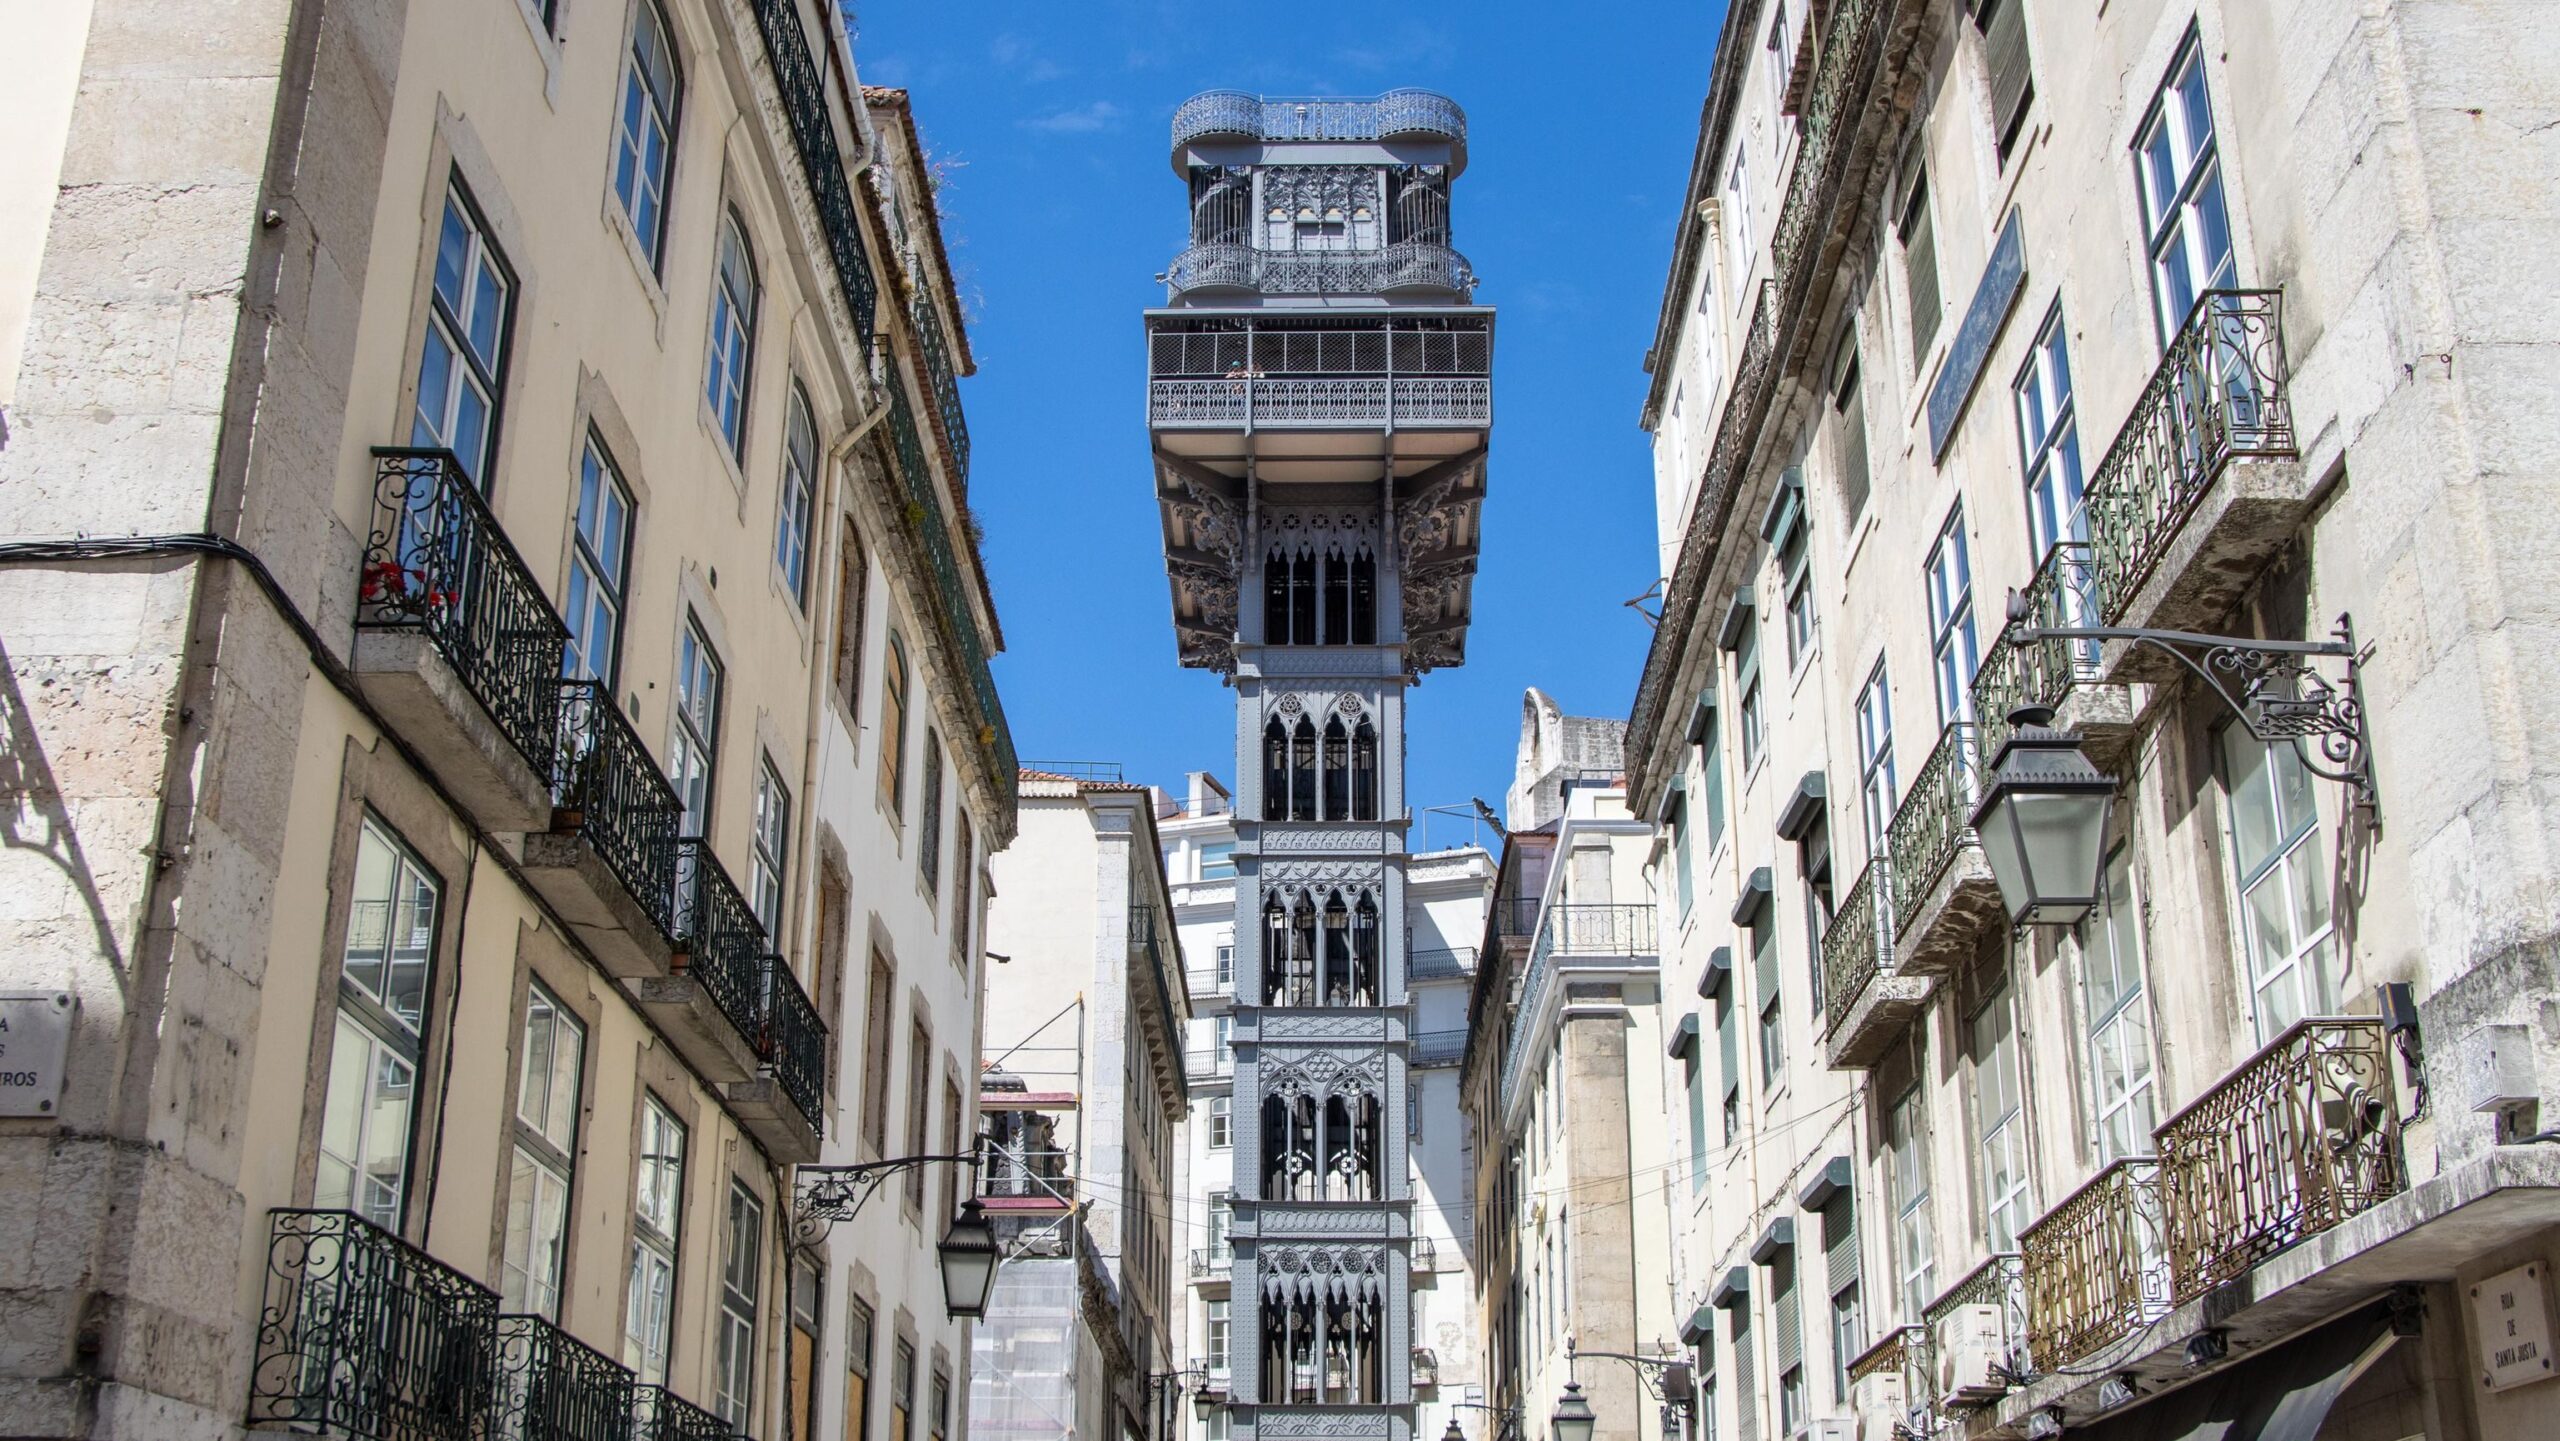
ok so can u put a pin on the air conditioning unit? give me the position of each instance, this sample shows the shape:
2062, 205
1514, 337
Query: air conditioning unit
1878, 1399
1972, 1343
1828, 1428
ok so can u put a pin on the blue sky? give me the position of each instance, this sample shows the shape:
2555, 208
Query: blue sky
1059, 205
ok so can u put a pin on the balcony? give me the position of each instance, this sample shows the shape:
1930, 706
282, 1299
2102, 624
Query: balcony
658, 1414
942, 382
710, 1005
2202, 486
1031, 1180
784, 1105
2096, 1266
552, 1386
1203, 270
1212, 1263
1943, 895
1867, 1002
822, 165
2301, 1136
2059, 674
362, 1334
1248, 402
1426, 1367
1998, 1282
608, 862
1210, 981
1432, 1049
1884, 1377
1216, 1064
1242, 115
1426, 1258
955, 618
455, 644
1594, 935
1336, 1422
1454, 963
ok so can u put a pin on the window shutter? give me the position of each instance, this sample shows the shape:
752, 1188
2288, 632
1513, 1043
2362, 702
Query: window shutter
1788, 1343
1920, 266
1728, 1044
2004, 48
1764, 956
1840, 1243
1746, 1385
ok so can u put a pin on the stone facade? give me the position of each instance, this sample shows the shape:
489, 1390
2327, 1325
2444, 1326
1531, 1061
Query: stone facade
407, 973
2196, 317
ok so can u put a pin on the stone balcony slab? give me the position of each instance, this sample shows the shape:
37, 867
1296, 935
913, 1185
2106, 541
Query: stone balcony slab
409, 680
1949, 918
607, 918
773, 1118
1883, 1011
682, 1008
2243, 518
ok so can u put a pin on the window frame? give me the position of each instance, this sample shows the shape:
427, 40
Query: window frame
537, 1156
769, 851
796, 499
729, 360
1955, 647
1916, 230
929, 817
667, 111
1999, 1139
2184, 215
481, 257
1879, 789
2292, 850
1915, 1241
598, 582
654, 1240
2042, 398
370, 1015
740, 1310
895, 680
693, 724
2122, 1006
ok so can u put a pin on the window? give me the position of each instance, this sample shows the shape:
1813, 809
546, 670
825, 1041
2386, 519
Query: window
1689, 1069
2049, 440
1221, 1122
2188, 229
733, 1345
853, 584
902, 1390
1877, 792
2004, 54
875, 1061
1997, 1121
379, 1043
551, 1065
1327, 598
964, 879
645, 128
1919, 260
1218, 862
1215, 1341
1746, 671
2119, 1023
1848, 1338
598, 555
1778, 61
798, 497
649, 1309
919, 1106
1849, 405
929, 833
857, 1371
1711, 787
769, 865
952, 1110
733, 334
1773, 1032
1676, 817
1840, 1278
463, 358
1953, 653
1226, 965
692, 754
1222, 1044
2284, 882
1815, 866
1737, 216
893, 730
941, 1426
807, 1293
1796, 574
1915, 1241
1729, 1051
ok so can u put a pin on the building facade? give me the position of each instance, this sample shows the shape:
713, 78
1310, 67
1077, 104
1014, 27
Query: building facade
1561, 1089
1085, 1096
2173, 317
1319, 398
1446, 895
487, 592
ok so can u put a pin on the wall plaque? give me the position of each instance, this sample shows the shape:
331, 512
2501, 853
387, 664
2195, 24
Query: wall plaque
35, 1036
2003, 275
2511, 1324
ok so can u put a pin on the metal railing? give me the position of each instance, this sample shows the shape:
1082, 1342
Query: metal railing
2301, 1136
1257, 401
1106, 771
1515, 917
1998, 1280
942, 382
2096, 1267
2013, 674
1426, 1366
553, 1387
1403, 265
1892, 1352
721, 939
1439, 1048
1596, 930
1858, 944
1208, 982
792, 1041
2217, 396
1242, 113
1209, 1064
954, 616
1217, 349
658, 1414
1850, 44
364, 1335
1211, 1262
804, 102
608, 792
438, 563
1037, 1174
1933, 821
1441, 964
1426, 1255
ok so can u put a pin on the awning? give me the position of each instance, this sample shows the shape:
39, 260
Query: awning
2280, 1395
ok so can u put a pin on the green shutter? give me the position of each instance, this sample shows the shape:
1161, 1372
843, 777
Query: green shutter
1839, 1243
2004, 53
1787, 1312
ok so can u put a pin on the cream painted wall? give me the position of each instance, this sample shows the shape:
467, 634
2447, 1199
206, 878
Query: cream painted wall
39, 74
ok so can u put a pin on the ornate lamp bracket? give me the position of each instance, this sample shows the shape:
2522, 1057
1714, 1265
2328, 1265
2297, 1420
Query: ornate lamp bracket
2273, 686
1666, 1378
824, 1195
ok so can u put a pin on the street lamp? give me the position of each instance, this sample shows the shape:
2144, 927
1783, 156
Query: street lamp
1573, 1420
969, 1256
2042, 822
1455, 1432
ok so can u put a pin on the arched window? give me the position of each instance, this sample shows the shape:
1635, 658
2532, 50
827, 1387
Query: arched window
1364, 953
1275, 598
1336, 974
733, 334
1322, 1341
799, 496
1302, 597
1337, 771
1288, 1148
1297, 964
1364, 597
645, 128
1364, 771
1337, 598
1302, 771
1275, 771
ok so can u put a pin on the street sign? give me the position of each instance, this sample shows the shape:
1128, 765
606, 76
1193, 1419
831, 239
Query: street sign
2511, 1321
35, 1036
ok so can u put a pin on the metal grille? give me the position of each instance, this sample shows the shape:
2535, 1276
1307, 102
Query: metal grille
1410, 264
942, 382
1242, 113
804, 101
792, 1042
1857, 945
1934, 820
553, 1387
2042, 673
364, 1335
2096, 1267
658, 1414
722, 940
954, 616
608, 792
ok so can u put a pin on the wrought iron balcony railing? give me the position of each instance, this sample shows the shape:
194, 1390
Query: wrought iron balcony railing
361, 1334
1212, 1263
1933, 821
956, 619
1515, 917
822, 167
658, 1414
792, 1041
1248, 402
942, 382
1244, 114
2096, 1267
721, 939
1851, 43
2219, 395
1405, 265
553, 1387
1032, 1175
438, 563
2301, 1136
607, 791
1441, 964
1596, 930
1858, 944
1439, 1048
1426, 1255
2000, 1280
2062, 593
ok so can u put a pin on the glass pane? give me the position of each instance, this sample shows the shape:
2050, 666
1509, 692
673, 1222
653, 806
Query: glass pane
382, 1157
453, 255
2255, 828
436, 365
488, 312
342, 1117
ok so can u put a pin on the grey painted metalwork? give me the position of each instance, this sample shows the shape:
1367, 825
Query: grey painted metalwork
1242, 115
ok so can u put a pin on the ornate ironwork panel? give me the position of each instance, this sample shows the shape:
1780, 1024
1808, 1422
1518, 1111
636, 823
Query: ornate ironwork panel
942, 382
1625, 933
1403, 265
722, 939
804, 101
1858, 944
607, 791
2303, 1135
2096, 1267
553, 1387
658, 1414
1850, 44
438, 563
1242, 113
954, 617
792, 1041
364, 1335
2218, 395
2063, 592
1934, 820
